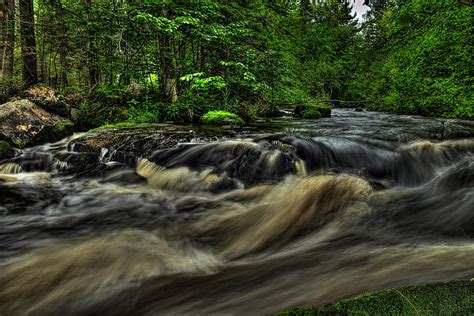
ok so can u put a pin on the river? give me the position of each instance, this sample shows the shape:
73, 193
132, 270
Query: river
190, 220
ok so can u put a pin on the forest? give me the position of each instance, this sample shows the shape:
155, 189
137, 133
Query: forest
236, 157
157, 61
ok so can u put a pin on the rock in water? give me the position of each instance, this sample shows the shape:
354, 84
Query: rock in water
22, 123
312, 110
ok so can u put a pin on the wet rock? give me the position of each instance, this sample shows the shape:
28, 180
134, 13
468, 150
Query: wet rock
120, 173
251, 162
23, 123
141, 140
126, 144
359, 109
81, 164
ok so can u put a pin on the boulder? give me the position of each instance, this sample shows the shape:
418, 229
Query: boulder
47, 98
310, 110
91, 153
23, 123
311, 114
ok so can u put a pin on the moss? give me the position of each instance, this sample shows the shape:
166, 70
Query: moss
311, 114
63, 127
61, 130
221, 118
123, 125
323, 110
19, 143
5, 150
452, 298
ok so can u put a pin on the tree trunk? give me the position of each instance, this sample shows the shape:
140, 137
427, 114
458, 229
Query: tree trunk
28, 42
7, 37
168, 76
3, 40
93, 70
63, 79
168, 85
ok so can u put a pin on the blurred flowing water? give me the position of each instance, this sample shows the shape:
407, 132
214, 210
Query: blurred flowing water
280, 214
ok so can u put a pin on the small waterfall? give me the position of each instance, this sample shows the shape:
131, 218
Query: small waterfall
10, 168
43, 157
183, 179
296, 205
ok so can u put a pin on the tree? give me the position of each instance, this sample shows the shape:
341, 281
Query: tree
418, 59
28, 42
7, 37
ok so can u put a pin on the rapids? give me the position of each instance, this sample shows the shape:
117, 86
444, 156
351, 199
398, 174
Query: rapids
285, 213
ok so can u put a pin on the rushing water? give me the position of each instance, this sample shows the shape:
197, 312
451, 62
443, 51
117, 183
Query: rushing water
292, 213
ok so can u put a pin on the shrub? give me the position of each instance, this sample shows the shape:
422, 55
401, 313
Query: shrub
94, 114
9, 88
147, 111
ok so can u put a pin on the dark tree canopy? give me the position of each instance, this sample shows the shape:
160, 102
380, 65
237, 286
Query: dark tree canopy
157, 60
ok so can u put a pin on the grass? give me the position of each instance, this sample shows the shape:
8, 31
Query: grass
452, 298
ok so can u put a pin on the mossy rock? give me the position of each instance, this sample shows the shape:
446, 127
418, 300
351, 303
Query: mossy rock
24, 123
64, 128
311, 114
48, 99
221, 118
301, 109
6, 151
452, 298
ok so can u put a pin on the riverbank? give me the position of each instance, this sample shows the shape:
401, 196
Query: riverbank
452, 298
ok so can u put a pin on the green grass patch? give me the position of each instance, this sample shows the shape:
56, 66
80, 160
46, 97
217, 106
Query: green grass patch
452, 298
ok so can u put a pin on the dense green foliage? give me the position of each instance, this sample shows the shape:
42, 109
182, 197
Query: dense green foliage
417, 58
453, 298
171, 60
156, 60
